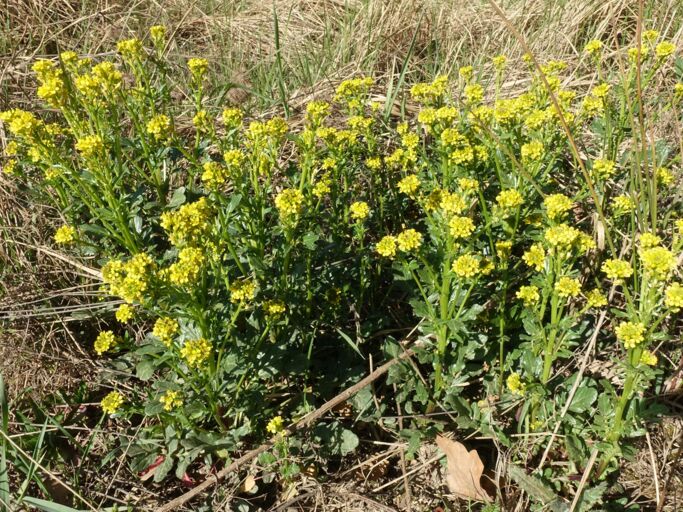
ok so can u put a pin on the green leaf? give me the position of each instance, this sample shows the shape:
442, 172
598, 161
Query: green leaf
178, 198
48, 506
350, 342
4, 425
163, 469
145, 369
537, 489
583, 399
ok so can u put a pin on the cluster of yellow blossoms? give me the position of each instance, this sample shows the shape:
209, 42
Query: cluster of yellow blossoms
196, 352
130, 280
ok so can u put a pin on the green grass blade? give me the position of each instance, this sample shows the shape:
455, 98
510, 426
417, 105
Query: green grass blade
4, 425
392, 92
48, 506
278, 64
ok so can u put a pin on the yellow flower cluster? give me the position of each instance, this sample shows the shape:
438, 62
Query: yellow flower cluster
124, 313
616, 269
430, 93
112, 402
130, 280
647, 358
21, 123
673, 296
353, 89
105, 341
604, 168
359, 210
164, 329
158, 34
474, 94
198, 67
567, 287
232, 117
515, 384
561, 236
451, 203
557, 205
202, 122
171, 400
189, 224
160, 127
274, 308
130, 49
593, 47
509, 199
214, 175
461, 227
196, 352
242, 291
528, 294
275, 425
409, 185
532, 151
186, 270
658, 262
631, 334
596, 299
466, 266
289, 202
65, 235
409, 240
387, 246
90, 146
535, 257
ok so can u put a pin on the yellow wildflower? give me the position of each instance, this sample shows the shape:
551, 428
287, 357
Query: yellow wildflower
535, 257
65, 235
124, 313
130, 49
474, 94
623, 204
289, 202
112, 402
452, 203
673, 297
198, 67
171, 400
105, 340
359, 210
664, 176
567, 287
461, 227
466, 266
604, 168
232, 117
186, 270
274, 308
593, 47
189, 224
242, 291
409, 185
532, 151
164, 329
648, 240
647, 358
159, 127
596, 299
616, 269
528, 294
658, 262
275, 425
557, 205
631, 334
561, 236
509, 198
158, 34
90, 146
196, 352
387, 246
499, 62
409, 240
515, 384
665, 49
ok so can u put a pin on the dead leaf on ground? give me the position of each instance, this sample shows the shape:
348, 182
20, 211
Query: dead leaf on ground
464, 470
